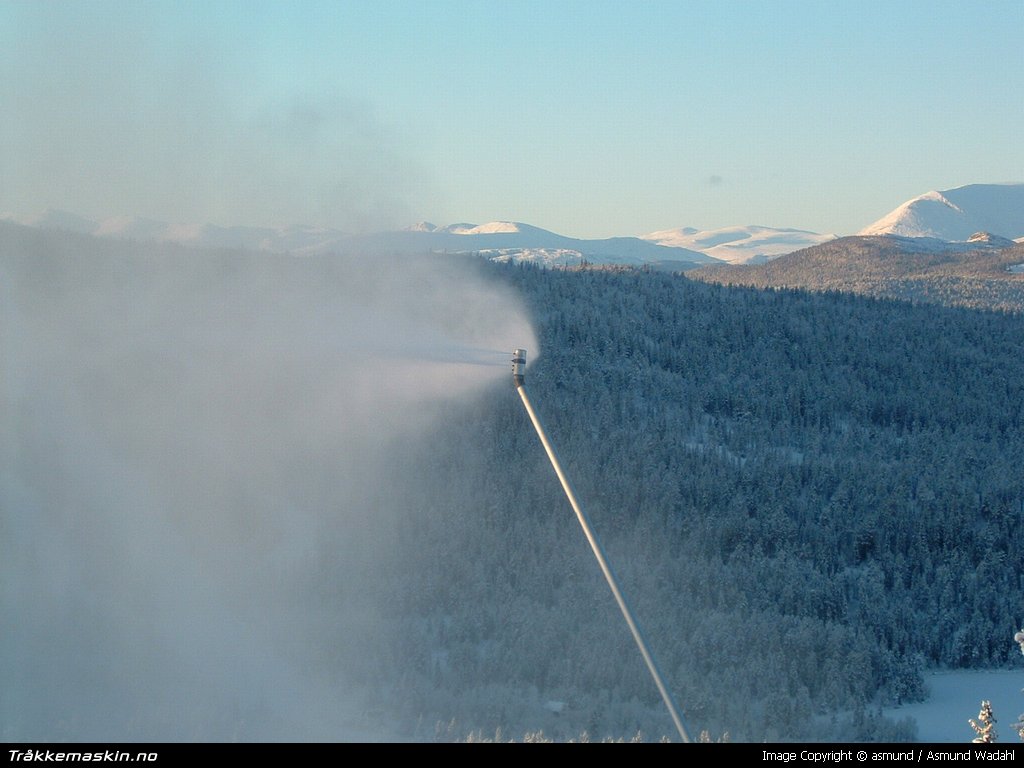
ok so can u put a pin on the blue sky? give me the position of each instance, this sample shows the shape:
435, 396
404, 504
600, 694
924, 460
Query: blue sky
588, 118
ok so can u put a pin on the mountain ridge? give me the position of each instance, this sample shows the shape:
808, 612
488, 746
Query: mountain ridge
986, 273
503, 240
498, 240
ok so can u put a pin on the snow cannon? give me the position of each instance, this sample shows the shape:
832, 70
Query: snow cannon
518, 367
519, 376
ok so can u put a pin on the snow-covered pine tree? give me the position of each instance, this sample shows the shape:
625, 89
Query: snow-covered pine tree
985, 727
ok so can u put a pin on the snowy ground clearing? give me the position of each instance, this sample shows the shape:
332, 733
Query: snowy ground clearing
956, 697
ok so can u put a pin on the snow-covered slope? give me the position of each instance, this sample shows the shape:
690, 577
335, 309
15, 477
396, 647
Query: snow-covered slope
739, 245
956, 214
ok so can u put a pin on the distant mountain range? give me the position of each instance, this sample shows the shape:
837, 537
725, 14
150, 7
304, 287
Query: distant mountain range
515, 241
949, 216
674, 249
499, 240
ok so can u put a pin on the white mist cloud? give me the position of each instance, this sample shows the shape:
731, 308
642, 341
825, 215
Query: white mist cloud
192, 450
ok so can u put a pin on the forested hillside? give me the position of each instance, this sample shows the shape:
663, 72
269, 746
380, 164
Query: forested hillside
809, 499
215, 491
911, 269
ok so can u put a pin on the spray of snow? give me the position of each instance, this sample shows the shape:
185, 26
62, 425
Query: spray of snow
192, 446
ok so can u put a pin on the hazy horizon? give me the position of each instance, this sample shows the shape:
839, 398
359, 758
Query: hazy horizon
592, 120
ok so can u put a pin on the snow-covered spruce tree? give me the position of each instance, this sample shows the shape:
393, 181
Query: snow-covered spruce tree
985, 726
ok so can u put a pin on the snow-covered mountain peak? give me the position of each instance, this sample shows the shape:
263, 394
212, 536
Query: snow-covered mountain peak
740, 244
956, 214
490, 228
940, 198
987, 238
913, 218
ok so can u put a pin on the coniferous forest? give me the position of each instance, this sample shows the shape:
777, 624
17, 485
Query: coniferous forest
809, 499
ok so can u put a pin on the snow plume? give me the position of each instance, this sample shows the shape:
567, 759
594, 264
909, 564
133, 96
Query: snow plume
190, 463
